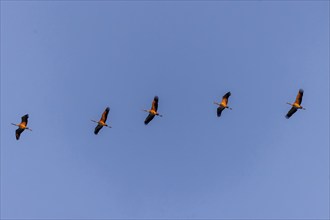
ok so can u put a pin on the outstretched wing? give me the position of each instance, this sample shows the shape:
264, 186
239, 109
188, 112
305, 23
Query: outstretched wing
291, 112
105, 115
299, 96
97, 129
149, 118
219, 110
18, 133
25, 119
225, 98
154, 105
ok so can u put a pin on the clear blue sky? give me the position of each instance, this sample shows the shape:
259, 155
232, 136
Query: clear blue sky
64, 62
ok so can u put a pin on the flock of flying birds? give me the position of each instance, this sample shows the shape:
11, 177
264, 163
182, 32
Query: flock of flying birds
153, 112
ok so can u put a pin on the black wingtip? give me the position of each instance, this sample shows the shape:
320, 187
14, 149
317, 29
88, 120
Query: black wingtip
156, 98
227, 95
301, 90
146, 122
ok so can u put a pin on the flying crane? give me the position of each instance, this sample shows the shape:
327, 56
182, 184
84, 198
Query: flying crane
223, 105
101, 123
152, 111
296, 105
22, 126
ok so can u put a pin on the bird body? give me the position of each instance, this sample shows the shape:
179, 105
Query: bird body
22, 126
296, 105
102, 122
153, 111
224, 102
223, 105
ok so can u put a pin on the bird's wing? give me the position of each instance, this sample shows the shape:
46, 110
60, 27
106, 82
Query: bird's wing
299, 96
154, 105
149, 118
225, 98
25, 119
97, 129
105, 115
219, 110
18, 133
291, 112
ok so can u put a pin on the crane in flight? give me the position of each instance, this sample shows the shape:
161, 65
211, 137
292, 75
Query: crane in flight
152, 111
223, 105
22, 126
296, 105
101, 123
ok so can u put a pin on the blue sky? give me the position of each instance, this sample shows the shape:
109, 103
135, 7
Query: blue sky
64, 62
